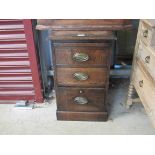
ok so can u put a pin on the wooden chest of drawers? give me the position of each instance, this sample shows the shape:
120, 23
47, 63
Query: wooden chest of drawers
143, 72
81, 55
81, 78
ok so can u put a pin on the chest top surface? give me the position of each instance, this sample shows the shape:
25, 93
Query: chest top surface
84, 24
150, 22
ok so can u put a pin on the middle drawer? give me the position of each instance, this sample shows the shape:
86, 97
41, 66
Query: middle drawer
92, 77
147, 56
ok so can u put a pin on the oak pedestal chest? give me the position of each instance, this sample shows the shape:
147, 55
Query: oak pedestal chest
81, 78
81, 55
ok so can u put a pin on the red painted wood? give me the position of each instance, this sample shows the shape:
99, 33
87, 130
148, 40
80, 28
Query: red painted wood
2, 82
33, 59
19, 74
17, 97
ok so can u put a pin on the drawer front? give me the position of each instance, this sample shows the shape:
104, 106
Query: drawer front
147, 56
82, 56
82, 35
147, 34
81, 76
145, 88
80, 99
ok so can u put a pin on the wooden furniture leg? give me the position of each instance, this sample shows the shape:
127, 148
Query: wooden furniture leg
130, 95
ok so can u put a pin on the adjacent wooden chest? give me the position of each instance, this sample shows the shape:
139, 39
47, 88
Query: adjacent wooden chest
143, 72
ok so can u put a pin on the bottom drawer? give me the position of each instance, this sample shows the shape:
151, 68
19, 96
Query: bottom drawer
145, 88
80, 99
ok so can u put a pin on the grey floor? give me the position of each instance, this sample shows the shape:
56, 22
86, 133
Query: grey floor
42, 119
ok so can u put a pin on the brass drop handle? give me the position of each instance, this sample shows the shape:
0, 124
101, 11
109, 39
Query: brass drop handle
80, 57
80, 100
145, 33
147, 59
80, 76
141, 83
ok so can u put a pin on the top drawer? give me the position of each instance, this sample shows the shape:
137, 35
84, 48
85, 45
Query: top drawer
95, 54
147, 34
82, 35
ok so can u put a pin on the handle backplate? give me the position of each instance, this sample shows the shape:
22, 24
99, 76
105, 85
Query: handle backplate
141, 83
80, 76
145, 33
80, 57
147, 59
80, 100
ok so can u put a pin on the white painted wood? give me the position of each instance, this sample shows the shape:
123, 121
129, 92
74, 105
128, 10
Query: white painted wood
147, 56
143, 68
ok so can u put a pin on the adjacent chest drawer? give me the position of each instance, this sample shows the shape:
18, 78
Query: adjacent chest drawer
145, 87
81, 99
85, 55
81, 76
147, 34
147, 56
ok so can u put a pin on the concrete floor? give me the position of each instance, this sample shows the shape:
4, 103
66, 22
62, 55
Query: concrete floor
42, 120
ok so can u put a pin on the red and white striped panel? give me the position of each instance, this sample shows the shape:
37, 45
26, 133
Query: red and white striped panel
17, 77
